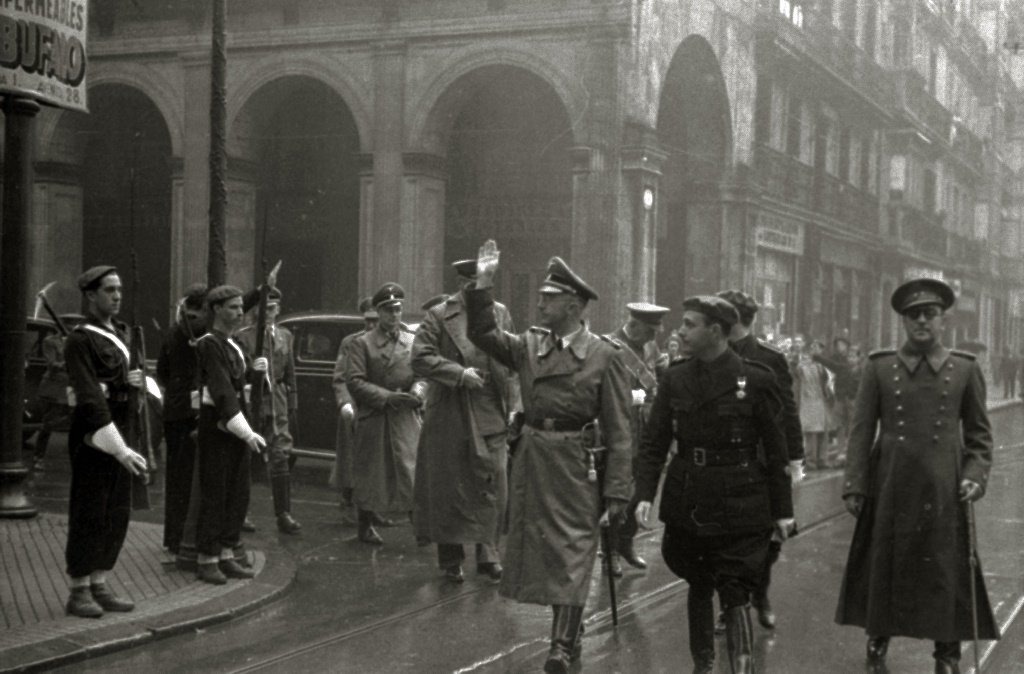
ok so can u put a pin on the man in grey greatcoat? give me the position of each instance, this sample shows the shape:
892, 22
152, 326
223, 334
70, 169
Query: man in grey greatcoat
461, 475
908, 571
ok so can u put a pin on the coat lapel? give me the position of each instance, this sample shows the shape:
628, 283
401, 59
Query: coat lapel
455, 325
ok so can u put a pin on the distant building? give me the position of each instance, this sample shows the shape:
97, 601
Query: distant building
816, 153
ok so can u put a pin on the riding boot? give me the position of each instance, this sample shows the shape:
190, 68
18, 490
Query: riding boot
565, 633
701, 614
739, 638
281, 488
947, 657
759, 600
876, 650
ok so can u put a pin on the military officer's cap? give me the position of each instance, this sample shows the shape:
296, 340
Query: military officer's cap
222, 294
433, 302
90, 278
465, 268
648, 313
921, 291
366, 308
744, 303
388, 294
714, 309
562, 279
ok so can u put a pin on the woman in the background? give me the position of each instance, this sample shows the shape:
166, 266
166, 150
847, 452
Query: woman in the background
673, 345
810, 380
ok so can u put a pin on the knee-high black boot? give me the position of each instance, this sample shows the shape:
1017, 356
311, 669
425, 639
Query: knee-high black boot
565, 633
739, 637
281, 489
947, 657
701, 614
760, 600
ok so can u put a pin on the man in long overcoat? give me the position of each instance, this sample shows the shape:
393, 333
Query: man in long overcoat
908, 572
461, 473
568, 377
380, 378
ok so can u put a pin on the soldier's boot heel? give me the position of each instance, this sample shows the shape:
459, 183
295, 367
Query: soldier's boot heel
947, 657
281, 490
565, 635
739, 638
876, 649
701, 614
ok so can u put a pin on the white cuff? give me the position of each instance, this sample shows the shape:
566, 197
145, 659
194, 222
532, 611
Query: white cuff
238, 426
107, 439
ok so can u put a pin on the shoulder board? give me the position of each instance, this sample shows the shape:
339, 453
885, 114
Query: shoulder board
881, 352
611, 340
769, 347
963, 354
540, 331
758, 366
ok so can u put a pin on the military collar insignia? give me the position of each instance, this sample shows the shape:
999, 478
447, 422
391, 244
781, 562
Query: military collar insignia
936, 358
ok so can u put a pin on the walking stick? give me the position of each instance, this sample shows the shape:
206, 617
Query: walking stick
972, 543
596, 456
606, 541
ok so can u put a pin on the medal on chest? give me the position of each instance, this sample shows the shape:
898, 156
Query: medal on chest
741, 388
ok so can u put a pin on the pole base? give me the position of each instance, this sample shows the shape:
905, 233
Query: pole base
14, 501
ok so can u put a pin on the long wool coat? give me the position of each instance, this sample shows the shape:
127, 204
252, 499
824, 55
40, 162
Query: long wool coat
908, 572
384, 458
553, 506
461, 478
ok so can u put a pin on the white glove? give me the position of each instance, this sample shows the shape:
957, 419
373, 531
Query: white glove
136, 378
108, 439
783, 527
260, 364
796, 471
348, 412
239, 427
639, 396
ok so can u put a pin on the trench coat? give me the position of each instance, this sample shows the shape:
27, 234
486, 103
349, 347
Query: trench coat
461, 471
384, 455
341, 473
908, 572
554, 507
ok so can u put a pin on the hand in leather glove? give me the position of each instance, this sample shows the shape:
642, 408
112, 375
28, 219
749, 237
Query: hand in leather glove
615, 512
400, 400
854, 504
970, 490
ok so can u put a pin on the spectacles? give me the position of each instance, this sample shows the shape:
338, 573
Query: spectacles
929, 312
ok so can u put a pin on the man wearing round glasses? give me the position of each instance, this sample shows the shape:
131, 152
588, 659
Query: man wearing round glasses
909, 486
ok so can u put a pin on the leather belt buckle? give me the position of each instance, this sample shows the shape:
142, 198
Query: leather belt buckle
700, 456
547, 424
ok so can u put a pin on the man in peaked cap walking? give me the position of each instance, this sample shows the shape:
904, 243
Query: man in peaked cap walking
908, 571
569, 377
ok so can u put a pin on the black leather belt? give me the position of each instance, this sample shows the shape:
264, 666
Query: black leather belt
557, 425
727, 456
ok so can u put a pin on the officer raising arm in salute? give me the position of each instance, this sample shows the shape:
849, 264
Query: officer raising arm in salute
720, 503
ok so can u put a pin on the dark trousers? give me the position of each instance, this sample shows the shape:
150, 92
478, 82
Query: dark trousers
450, 554
98, 511
223, 463
181, 458
731, 564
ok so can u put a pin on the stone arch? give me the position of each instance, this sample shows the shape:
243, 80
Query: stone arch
255, 75
427, 124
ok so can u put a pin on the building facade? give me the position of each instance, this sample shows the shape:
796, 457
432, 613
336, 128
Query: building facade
816, 153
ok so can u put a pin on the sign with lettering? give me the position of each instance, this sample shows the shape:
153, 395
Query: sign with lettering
780, 233
42, 51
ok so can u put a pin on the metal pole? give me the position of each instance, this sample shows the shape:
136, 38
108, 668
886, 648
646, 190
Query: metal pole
19, 114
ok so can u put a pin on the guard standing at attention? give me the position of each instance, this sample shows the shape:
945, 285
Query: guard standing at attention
569, 377
727, 489
102, 464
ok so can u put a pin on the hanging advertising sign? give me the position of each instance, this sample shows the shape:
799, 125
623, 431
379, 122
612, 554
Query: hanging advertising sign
43, 51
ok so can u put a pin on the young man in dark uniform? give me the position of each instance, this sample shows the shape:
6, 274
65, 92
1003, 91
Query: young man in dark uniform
720, 503
177, 370
102, 464
743, 342
225, 440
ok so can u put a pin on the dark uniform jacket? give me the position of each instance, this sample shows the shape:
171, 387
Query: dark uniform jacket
919, 427
751, 348
222, 375
719, 413
177, 369
98, 373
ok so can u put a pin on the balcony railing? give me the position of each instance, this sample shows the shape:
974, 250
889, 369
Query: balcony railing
784, 177
844, 202
919, 104
918, 231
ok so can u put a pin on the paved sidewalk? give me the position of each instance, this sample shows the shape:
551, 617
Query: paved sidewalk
33, 588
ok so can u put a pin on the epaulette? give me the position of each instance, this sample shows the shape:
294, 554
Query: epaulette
963, 354
758, 366
540, 331
882, 352
611, 340
769, 347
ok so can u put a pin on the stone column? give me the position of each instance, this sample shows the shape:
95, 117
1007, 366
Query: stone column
641, 162
421, 247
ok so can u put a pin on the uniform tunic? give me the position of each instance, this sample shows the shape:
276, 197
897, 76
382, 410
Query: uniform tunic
908, 572
223, 457
99, 506
751, 348
384, 457
279, 349
719, 499
553, 507
177, 370
461, 472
